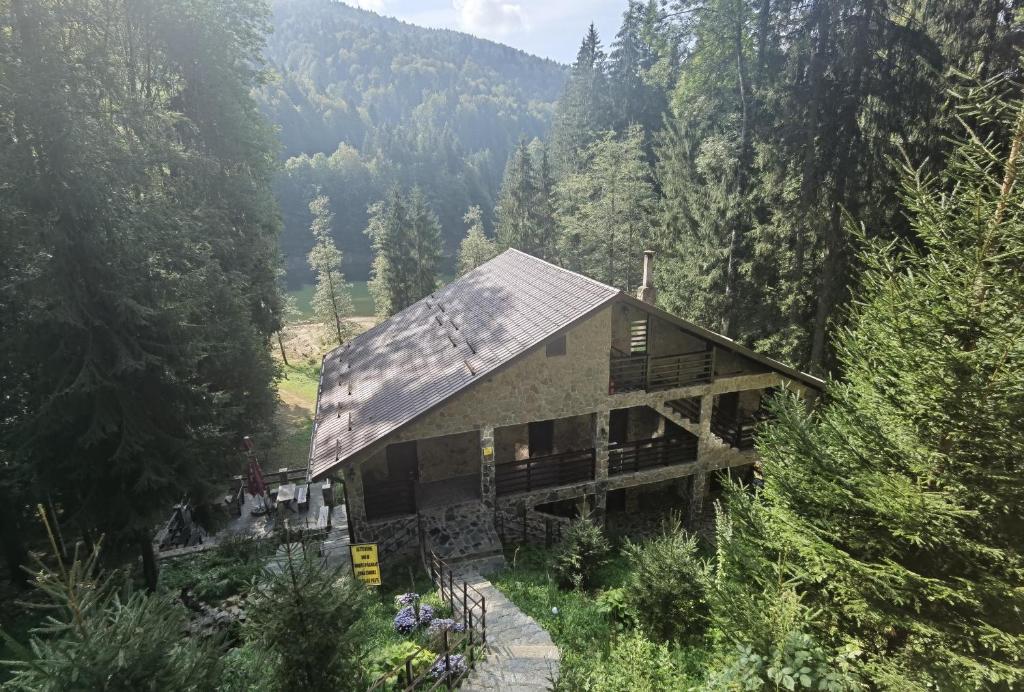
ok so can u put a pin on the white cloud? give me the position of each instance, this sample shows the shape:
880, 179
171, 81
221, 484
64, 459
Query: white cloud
490, 16
372, 5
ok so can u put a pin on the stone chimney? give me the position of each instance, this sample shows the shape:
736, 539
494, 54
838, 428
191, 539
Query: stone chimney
647, 292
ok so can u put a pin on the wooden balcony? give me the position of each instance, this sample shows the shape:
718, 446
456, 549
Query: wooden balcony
630, 457
642, 372
548, 471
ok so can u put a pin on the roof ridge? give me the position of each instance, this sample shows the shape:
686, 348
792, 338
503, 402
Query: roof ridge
561, 269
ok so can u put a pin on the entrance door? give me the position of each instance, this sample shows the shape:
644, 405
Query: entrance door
403, 464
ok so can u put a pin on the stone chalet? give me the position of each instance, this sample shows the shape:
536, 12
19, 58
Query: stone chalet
521, 389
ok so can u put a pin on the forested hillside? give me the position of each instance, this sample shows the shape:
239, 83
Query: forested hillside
365, 103
743, 140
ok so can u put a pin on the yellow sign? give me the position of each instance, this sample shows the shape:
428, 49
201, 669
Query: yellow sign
365, 566
488, 452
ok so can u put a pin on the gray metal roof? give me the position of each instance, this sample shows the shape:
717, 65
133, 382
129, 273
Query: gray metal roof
404, 366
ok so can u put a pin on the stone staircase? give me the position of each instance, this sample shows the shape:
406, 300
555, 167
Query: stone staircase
335, 545
463, 534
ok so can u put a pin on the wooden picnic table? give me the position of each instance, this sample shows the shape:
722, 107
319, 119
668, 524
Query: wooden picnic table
285, 494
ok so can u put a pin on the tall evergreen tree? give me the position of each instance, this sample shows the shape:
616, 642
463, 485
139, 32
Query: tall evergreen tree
332, 298
606, 211
141, 233
391, 280
583, 111
425, 245
514, 225
897, 502
476, 247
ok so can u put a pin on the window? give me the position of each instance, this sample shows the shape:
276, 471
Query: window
555, 347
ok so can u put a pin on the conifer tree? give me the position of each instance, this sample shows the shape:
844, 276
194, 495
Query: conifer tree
425, 245
332, 298
476, 247
391, 283
605, 211
514, 226
583, 111
898, 501
101, 635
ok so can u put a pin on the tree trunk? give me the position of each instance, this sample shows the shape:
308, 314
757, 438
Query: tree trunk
150, 570
15, 552
280, 345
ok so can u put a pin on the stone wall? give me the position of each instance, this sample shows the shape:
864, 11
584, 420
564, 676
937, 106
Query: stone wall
514, 525
397, 537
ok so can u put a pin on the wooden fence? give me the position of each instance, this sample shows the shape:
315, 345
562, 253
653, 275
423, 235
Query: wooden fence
630, 457
655, 373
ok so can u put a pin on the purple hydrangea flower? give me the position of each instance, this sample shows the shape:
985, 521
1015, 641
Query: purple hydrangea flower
441, 624
456, 666
405, 621
406, 599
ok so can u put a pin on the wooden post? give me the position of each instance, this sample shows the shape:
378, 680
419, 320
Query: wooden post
469, 631
408, 671
451, 589
447, 662
483, 620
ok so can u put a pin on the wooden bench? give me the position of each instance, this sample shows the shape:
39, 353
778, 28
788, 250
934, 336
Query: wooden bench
302, 497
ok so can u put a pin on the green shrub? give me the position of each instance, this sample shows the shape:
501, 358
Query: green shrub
247, 668
799, 663
583, 551
383, 661
635, 664
668, 586
615, 606
213, 575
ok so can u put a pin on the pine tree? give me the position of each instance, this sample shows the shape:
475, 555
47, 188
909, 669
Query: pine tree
425, 245
476, 247
542, 210
332, 298
391, 283
307, 616
583, 110
514, 226
103, 636
606, 211
897, 502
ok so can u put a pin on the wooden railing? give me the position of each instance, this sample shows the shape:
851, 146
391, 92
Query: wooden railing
630, 373
529, 526
738, 432
544, 472
389, 498
459, 650
630, 457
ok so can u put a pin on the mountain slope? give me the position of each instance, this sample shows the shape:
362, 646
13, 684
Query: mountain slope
363, 102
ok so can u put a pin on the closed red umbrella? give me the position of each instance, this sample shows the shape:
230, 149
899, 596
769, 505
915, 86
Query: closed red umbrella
255, 483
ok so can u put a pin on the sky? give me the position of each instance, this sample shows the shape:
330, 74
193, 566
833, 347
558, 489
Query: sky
548, 28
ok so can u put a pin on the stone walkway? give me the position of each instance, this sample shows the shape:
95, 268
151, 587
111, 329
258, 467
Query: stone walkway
520, 654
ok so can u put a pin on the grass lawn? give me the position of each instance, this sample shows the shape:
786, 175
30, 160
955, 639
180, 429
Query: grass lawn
361, 300
298, 385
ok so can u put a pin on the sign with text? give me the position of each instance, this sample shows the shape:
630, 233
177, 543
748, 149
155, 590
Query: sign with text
365, 565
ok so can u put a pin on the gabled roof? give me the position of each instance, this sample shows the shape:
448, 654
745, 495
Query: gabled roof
413, 361
406, 365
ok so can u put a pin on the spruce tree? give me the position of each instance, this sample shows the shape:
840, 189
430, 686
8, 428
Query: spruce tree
425, 244
393, 275
332, 298
898, 501
514, 226
606, 209
584, 110
476, 247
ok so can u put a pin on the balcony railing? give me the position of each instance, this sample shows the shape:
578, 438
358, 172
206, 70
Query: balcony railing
544, 472
655, 373
735, 431
630, 457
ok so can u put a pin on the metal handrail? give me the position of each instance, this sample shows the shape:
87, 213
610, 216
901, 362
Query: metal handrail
564, 468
